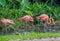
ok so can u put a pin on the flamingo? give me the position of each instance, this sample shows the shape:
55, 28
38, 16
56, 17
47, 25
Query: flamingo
6, 22
26, 18
46, 19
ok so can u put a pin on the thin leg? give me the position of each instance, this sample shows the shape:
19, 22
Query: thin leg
45, 27
26, 27
6, 29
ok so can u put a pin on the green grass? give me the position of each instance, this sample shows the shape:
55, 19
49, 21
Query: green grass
30, 36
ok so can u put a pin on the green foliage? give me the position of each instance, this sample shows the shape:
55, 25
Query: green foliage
2, 2
19, 0
12, 12
10, 0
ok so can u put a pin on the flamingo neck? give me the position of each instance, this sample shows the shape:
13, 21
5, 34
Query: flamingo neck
49, 21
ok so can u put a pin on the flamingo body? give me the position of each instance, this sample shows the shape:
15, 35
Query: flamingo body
6, 21
26, 18
45, 18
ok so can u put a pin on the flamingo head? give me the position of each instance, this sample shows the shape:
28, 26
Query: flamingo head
31, 19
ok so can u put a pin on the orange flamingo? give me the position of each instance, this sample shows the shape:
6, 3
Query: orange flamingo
6, 22
46, 19
26, 19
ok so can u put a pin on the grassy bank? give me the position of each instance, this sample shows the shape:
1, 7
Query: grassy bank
32, 35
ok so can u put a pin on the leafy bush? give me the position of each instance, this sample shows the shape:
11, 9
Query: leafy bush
11, 10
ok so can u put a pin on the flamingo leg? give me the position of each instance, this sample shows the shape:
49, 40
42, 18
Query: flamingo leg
6, 29
26, 27
33, 27
45, 28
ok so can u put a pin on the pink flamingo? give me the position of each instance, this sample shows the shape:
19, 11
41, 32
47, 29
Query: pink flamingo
6, 22
46, 19
26, 19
